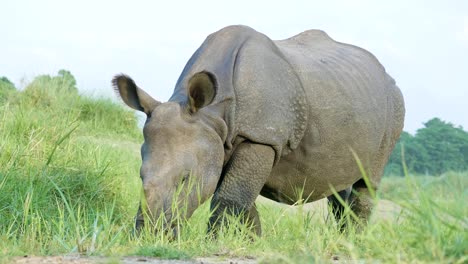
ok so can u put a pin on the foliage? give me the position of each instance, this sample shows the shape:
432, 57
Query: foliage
436, 148
6, 87
65, 82
68, 79
52, 136
6, 84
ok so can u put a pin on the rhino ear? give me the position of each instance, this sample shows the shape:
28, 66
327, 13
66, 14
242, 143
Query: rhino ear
133, 96
201, 90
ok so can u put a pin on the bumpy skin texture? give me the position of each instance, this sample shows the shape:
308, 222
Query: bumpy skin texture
244, 176
311, 99
288, 114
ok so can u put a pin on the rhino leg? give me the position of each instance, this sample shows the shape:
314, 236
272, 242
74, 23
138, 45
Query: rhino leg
338, 208
243, 178
361, 201
139, 221
253, 218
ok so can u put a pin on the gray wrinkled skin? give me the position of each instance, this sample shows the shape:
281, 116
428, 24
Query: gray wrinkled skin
252, 116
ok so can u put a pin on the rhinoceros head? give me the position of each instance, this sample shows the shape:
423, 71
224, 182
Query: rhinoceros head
182, 154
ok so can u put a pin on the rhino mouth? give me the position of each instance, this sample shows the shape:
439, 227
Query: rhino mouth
168, 221
171, 231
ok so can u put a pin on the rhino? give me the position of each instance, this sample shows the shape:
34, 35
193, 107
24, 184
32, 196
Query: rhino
284, 119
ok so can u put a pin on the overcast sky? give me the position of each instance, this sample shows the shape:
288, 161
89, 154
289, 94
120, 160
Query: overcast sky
422, 44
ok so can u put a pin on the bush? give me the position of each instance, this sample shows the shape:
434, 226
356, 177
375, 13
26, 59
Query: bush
58, 150
436, 148
6, 87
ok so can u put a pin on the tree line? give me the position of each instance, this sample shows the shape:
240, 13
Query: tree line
64, 79
436, 148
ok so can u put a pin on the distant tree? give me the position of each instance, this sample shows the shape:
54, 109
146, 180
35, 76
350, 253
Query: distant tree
436, 148
67, 79
64, 81
42, 78
6, 87
445, 144
6, 84
416, 156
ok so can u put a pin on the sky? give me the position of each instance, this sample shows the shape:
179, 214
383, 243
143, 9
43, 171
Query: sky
422, 44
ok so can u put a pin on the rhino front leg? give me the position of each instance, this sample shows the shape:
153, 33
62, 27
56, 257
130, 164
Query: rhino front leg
139, 221
244, 177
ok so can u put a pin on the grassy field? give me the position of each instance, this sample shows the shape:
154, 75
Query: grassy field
69, 184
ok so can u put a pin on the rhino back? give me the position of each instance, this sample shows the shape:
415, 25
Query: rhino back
344, 85
351, 105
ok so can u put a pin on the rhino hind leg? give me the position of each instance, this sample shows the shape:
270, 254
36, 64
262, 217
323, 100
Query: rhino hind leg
358, 199
337, 207
361, 202
242, 180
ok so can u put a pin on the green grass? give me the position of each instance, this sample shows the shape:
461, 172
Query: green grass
69, 184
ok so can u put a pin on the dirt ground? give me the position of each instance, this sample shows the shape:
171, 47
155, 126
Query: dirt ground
124, 260
384, 210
